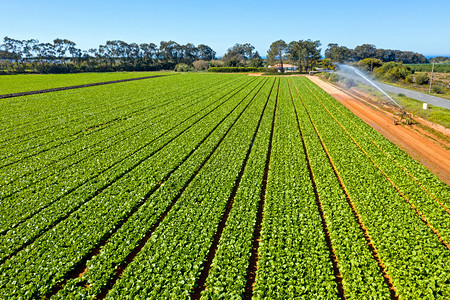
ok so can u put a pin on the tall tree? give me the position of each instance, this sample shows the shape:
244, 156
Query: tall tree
190, 53
205, 52
277, 52
239, 52
305, 53
61, 47
365, 51
338, 53
169, 52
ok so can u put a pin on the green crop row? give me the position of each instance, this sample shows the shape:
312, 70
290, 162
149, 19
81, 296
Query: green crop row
147, 189
293, 255
101, 267
361, 276
100, 168
416, 261
412, 168
91, 141
193, 220
82, 230
434, 213
58, 120
25, 83
228, 274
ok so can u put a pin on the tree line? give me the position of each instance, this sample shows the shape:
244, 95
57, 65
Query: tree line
62, 56
340, 54
305, 54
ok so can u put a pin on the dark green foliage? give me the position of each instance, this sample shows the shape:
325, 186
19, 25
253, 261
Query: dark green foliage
392, 71
62, 56
438, 68
183, 68
437, 89
333, 77
236, 69
422, 79
256, 62
440, 59
341, 54
369, 64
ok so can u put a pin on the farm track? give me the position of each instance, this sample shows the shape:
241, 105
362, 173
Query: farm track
201, 280
387, 154
110, 183
326, 232
82, 267
394, 185
357, 216
253, 261
89, 155
74, 87
137, 250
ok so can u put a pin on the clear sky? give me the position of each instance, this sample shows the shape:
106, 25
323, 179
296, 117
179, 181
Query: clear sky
420, 26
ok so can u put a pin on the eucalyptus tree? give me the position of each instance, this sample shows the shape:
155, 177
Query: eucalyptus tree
205, 52
305, 53
277, 52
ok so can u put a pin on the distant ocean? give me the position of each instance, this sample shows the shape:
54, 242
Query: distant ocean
431, 56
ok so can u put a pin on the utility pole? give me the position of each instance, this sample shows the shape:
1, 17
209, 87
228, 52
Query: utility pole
431, 79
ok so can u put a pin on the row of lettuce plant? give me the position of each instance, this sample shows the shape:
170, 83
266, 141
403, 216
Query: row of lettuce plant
361, 277
227, 277
58, 250
293, 255
63, 117
97, 172
188, 231
415, 260
426, 205
36, 168
440, 190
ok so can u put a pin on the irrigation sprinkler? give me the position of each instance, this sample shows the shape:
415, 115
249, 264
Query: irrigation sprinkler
400, 116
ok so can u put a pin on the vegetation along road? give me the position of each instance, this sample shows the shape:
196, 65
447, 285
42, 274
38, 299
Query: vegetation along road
430, 99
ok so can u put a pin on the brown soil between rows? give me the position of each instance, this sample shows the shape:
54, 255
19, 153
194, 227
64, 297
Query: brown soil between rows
429, 153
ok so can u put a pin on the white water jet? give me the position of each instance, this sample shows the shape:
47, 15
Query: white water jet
370, 81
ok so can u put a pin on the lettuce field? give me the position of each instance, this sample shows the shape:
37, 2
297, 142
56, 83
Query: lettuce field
212, 186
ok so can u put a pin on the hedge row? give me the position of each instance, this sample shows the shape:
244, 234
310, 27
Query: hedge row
237, 69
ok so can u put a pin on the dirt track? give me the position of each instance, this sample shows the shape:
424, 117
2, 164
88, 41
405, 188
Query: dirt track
424, 150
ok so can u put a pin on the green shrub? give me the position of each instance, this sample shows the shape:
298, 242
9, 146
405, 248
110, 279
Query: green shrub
333, 77
236, 69
422, 79
183, 68
437, 89
392, 71
409, 78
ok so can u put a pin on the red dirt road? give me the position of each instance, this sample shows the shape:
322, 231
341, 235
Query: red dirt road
433, 156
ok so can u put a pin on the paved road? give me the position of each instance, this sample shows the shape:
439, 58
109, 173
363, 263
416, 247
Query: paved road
436, 101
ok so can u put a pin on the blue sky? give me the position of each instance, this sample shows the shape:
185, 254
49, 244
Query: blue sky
420, 26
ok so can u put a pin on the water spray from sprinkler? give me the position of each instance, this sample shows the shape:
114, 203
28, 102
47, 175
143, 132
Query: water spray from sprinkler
403, 114
372, 83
